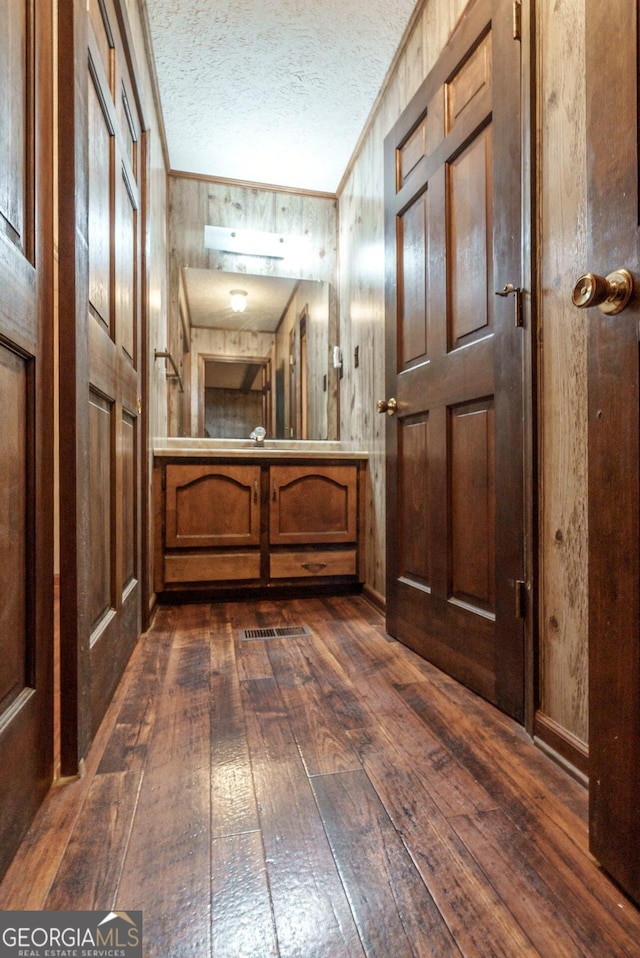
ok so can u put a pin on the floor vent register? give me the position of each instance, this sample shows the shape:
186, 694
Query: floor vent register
281, 632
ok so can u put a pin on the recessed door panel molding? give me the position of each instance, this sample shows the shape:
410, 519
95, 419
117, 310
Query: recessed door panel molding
412, 150
101, 485
129, 502
415, 501
470, 79
413, 294
16, 118
100, 171
16, 644
469, 209
126, 278
472, 497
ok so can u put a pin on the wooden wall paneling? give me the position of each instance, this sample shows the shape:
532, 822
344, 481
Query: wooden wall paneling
562, 385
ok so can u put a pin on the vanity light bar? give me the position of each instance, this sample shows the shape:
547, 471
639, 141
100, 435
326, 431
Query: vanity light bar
247, 242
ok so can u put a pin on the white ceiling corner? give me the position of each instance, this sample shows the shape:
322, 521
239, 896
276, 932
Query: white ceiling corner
271, 91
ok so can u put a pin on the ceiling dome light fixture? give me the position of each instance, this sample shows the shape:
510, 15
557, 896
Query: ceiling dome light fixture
238, 300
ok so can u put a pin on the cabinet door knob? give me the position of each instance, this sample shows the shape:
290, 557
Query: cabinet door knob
255, 491
275, 491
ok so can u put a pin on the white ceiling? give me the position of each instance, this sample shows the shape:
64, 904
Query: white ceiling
271, 91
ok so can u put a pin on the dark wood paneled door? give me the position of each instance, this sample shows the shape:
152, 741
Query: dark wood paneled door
26, 415
614, 445
102, 196
455, 363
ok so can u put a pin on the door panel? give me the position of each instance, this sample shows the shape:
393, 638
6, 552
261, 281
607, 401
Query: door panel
101, 445
472, 498
413, 321
614, 453
100, 508
14, 634
26, 394
414, 501
469, 242
455, 363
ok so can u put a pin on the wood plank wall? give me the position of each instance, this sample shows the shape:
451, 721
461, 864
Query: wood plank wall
562, 400
196, 202
563, 367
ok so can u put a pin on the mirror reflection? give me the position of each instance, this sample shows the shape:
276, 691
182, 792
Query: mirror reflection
261, 360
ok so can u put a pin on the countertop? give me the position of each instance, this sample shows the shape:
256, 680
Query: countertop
247, 449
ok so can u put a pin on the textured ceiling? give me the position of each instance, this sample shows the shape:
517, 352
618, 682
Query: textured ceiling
271, 91
207, 292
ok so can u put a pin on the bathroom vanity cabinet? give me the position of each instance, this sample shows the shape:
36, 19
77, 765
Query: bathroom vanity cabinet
257, 522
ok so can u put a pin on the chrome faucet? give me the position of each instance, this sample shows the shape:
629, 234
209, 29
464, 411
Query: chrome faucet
258, 435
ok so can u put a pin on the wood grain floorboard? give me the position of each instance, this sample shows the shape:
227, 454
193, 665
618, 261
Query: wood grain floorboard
233, 803
318, 732
310, 908
333, 796
166, 871
481, 923
550, 903
394, 911
242, 924
89, 872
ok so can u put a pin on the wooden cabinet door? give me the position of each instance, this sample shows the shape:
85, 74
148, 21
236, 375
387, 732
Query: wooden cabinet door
313, 504
614, 445
212, 506
26, 412
455, 527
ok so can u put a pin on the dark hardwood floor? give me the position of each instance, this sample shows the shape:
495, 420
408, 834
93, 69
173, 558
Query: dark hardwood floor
320, 797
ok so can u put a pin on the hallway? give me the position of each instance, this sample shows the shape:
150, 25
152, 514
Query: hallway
330, 795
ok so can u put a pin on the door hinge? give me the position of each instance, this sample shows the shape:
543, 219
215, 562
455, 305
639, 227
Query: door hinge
517, 20
521, 599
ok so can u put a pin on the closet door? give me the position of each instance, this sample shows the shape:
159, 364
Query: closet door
456, 363
26, 403
101, 403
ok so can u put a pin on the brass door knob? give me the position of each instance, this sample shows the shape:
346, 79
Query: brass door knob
609, 293
387, 405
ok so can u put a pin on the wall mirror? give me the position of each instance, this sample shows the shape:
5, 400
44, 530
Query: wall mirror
267, 364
